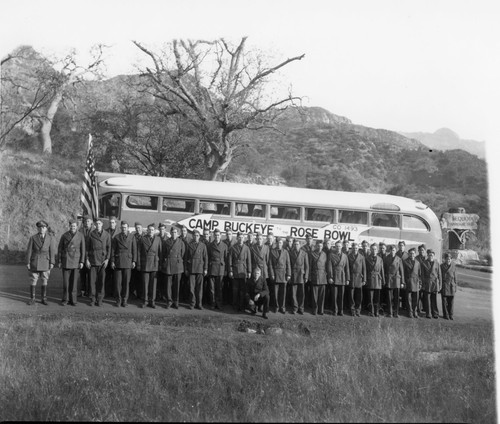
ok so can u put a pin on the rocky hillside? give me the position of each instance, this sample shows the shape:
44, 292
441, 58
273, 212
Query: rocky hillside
446, 139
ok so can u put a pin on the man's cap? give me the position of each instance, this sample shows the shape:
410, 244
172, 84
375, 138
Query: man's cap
196, 232
161, 225
85, 217
42, 223
152, 225
72, 221
239, 234
124, 223
137, 223
97, 220
430, 251
216, 231
308, 236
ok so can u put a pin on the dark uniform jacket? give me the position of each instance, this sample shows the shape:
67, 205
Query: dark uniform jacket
98, 247
317, 267
124, 250
173, 252
260, 258
403, 255
413, 275
86, 232
41, 254
299, 262
279, 268
196, 258
375, 275
217, 258
394, 272
448, 274
357, 268
255, 287
229, 244
240, 262
71, 250
113, 233
149, 253
431, 276
338, 268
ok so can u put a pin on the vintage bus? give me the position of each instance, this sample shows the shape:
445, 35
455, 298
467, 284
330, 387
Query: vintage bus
283, 211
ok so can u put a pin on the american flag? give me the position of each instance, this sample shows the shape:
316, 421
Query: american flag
88, 198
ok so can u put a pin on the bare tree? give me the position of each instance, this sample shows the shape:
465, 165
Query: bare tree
219, 88
37, 86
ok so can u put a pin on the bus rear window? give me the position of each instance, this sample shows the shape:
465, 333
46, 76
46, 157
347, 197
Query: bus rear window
414, 223
323, 215
142, 202
385, 220
353, 217
250, 209
285, 212
177, 205
217, 208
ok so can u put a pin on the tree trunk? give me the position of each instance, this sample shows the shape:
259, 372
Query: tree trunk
49, 118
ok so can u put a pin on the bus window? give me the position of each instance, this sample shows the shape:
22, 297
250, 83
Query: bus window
250, 209
353, 217
414, 223
177, 205
149, 203
323, 215
385, 220
109, 205
285, 212
214, 208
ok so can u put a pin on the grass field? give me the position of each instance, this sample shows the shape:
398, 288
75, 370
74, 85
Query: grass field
145, 367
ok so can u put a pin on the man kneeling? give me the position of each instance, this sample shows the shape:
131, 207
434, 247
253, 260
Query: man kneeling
258, 293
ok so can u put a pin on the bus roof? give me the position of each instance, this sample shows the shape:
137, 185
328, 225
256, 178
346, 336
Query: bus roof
141, 184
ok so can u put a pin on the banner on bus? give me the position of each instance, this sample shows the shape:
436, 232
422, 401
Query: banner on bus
337, 232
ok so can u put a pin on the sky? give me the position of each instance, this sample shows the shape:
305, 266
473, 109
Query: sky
399, 65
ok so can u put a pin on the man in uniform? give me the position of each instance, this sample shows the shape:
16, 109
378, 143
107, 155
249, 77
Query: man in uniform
205, 239
382, 250
240, 266
196, 269
40, 259
431, 284
172, 264
308, 248
449, 287
148, 258
375, 278
421, 258
357, 269
136, 278
339, 276
258, 293
270, 241
317, 277
123, 260
395, 280
280, 273
85, 229
186, 238
98, 252
250, 239
299, 262
217, 269
161, 277
108, 284
227, 286
71, 254
413, 279
403, 255
345, 247
365, 248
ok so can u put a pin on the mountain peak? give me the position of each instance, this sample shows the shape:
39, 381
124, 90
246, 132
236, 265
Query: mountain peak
446, 132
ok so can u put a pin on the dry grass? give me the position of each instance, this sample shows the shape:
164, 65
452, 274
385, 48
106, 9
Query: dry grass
201, 369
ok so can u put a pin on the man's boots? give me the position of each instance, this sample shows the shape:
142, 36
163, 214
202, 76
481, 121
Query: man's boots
32, 296
44, 295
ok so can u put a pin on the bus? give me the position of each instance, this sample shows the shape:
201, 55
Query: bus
282, 211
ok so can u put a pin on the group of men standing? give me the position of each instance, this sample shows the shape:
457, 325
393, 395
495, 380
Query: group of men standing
248, 272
